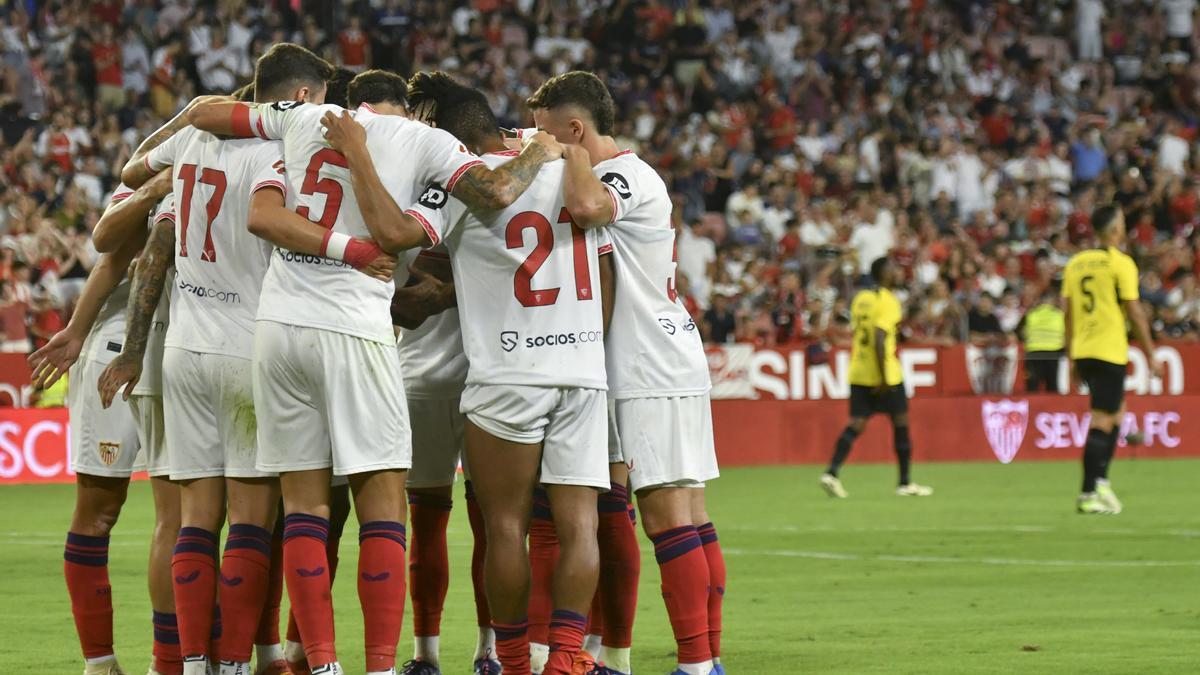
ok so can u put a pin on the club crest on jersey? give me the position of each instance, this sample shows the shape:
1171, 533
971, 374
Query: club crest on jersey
109, 452
617, 182
1004, 423
434, 197
508, 340
286, 105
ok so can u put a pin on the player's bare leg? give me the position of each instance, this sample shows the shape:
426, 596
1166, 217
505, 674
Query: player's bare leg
620, 569
829, 480
575, 522
428, 566
380, 505
716, 572
306, 504
246, 567
503, 475
194, 569
98, 502
167, 659
667, 519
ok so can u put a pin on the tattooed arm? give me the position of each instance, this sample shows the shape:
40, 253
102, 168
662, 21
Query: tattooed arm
126, 220
148, 281
136, 172
484, 188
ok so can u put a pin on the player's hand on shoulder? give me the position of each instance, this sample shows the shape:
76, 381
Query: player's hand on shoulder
548, 144
124, 371
342, 131
54, 359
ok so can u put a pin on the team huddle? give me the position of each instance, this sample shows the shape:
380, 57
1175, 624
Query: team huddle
344, 289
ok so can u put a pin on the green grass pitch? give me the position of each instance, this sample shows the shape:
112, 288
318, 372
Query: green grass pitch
994, 574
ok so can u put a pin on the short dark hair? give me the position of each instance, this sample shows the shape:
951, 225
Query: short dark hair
377, 86
287, 66
337, 90
457, 108
581, 89
877, 268
244, 93
1104, 216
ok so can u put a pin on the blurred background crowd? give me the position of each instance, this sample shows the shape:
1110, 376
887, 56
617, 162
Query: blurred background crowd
969, 139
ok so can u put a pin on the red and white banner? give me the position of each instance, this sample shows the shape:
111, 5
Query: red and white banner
745, 372
15, 378
35, 446
1000, 429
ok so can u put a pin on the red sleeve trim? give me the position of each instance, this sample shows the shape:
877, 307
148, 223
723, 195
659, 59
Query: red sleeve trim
607, 248
433, 236
506, 153
269, 184
613, 197
239, 121
262, 133
426, 253
119, 197
458, 174
146, 163
165, 215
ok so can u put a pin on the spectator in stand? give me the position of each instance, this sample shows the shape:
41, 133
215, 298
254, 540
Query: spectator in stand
354, 46
720, 324
107, 60
982, 323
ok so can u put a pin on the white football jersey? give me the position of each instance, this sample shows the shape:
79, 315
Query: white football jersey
528, 283
151, 382
219, 264
431, 355
654, 346
302, 290
104, 341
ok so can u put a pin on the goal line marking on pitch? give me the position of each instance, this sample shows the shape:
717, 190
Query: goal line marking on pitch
1022, 562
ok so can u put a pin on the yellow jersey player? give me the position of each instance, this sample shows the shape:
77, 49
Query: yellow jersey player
1100, 286
876, 383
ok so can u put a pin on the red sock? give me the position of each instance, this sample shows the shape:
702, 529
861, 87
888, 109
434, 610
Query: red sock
331, 556
268, 623
620, 567
475, 516
512, 647
381, 589
543, 557
596, 616
167, 659
245, 576
685, 590
566, 639
85, 566
194, 569
716, 584
306, 569
428, 561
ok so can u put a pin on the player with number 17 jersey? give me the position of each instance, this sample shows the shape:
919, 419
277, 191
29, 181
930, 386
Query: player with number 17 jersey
527, 278
219, 268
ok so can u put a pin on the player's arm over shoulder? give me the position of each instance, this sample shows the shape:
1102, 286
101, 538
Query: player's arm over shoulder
247, 120
480, 187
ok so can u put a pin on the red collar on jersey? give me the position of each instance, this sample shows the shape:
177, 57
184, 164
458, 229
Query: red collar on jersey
623, 152
368, 107
504, 153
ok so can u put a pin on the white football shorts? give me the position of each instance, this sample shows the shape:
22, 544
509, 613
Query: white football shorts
615, 456
208, 407
667, 441
151, 430
103, 442
437, 441
571, 423
328, 400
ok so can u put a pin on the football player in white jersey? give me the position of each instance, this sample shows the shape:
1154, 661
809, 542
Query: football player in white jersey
105, 442
658, 374
310, 410
527, 283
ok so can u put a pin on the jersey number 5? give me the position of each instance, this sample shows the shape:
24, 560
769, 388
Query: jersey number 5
514, 236
213, 177
1085, 286
314, 184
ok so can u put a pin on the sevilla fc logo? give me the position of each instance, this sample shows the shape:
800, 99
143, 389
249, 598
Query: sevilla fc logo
109, 452
1004, 422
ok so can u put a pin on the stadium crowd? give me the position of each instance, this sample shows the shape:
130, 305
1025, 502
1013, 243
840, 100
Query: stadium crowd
801, 140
